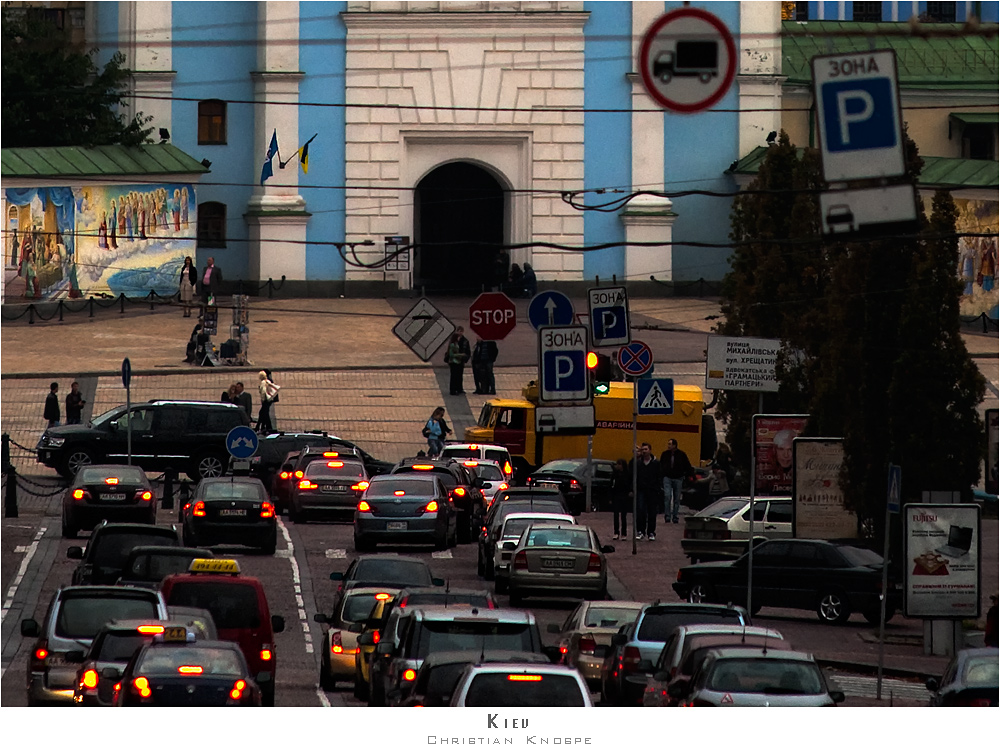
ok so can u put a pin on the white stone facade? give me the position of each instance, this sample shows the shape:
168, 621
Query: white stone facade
426, 62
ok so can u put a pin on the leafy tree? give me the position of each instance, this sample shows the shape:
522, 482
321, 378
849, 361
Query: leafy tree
871, 348
54, 95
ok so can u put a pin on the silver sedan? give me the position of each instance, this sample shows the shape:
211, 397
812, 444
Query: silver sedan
559, 560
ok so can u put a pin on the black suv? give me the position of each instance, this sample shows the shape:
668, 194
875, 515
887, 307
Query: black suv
103, 561
274, 448
187, 436
463, 487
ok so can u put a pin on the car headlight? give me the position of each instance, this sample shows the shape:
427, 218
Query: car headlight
54, 442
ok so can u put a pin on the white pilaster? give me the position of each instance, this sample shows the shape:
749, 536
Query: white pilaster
146, 31
759, 78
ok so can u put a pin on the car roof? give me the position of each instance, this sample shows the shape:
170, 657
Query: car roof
562, 526
129, 526
130, 625
115, 591
230, 479
111, 466
513, 666
194, 403
388, 557
470, 444
203, 553
761, 652
693, 632
370, 590
540, 515
395, 477
475, 613
681, 607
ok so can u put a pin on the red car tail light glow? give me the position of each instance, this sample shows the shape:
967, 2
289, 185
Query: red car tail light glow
431, 507
267, 509
360, 486
307, 484
79, 493
594, 565
363, 506
199, 509
90, 679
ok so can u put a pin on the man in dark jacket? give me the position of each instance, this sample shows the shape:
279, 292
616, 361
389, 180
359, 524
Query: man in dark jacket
243, 399
51, 413
675, 466
484, 354
211, 281
74, 405
647, 484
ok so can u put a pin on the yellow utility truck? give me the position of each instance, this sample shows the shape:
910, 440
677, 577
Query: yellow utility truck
511, 422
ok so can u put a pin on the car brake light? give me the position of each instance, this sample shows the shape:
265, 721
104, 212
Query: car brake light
79, 493
507, 468
502, 487
459, 491
284, 475
574, 483
144, 495
563, 649
307, 484
199, 509
237, 691
524, 677
90, 679
190, 670
41, 654
331, 454
299, 473
360, 486
141, 684
594, 565
630, 659
588, 645
399, 493
267, 509
150, 629
431, 507
528, 481
111, 481
473, 446
336, 463
471, 463
520, 560
382, 596
363, 506
422, 467
376, 636
265, 653
336, 643
409, 675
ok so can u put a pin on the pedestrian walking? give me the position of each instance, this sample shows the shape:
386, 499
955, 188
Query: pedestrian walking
456, 357
621, 504
528, 282
188, 282
435, 430
268, 395
51, 413
675, 466
722, 473
74, 404
243, 399
648, 491
211, 281
484, 354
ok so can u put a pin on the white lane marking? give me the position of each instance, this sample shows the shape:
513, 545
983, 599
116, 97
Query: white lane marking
12, 590
20, 549
441, 555
297, 587
336, 553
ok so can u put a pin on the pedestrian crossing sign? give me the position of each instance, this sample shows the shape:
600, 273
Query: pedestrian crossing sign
655, 396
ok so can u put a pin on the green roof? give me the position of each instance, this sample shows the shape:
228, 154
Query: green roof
938, 172
109, 161
976, 118
962, 61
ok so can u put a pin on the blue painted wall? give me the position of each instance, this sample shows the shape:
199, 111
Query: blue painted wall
321, 58
106, 25
698, 148
607, 135
214, 51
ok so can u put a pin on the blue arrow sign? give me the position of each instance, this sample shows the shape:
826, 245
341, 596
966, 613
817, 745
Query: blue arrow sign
126, 373
242, 442
656, 396
635, 358
550, 308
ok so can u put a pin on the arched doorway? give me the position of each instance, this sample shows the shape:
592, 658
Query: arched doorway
459, 226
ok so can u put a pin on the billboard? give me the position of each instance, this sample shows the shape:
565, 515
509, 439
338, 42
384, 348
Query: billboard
773, 453
818, 501
942, 560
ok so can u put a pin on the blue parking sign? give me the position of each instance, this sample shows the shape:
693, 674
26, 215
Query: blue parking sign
859, 114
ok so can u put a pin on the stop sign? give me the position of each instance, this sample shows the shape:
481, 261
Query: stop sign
492, 315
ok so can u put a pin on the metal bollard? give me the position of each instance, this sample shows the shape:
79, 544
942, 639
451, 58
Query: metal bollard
5, 451
10, 497
169, 477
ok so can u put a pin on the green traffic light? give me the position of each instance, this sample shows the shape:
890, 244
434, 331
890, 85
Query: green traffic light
602, 387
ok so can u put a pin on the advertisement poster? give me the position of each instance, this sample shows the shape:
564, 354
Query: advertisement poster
110, 239
773, 467
818, 508
942, 560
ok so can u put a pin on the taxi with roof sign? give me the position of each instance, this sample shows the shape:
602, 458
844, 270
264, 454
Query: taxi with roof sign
344, 626
239, 609
463, 490
328, 484
176, 669
371, 634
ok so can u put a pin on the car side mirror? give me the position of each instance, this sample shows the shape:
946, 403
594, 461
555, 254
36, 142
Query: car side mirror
336, 576
30, 628
111, 674
837, 696
384, 648
367, 639
320, 618
508, 546
438, 581
553, 653
74, 552
113, 425
678, 687
619, 639
645, 666
932, 684
607, 549
278, 623
554, 628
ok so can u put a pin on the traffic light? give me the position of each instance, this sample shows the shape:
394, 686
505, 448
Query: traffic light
600, 372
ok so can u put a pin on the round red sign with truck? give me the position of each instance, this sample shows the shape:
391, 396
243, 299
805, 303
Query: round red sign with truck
687, 60
492, 315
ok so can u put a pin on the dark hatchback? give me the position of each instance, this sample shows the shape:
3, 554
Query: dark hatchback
117, 493
146, 566
831, 578
570, 477
384, 570
464, 491
109, 546
970, 680
231, 510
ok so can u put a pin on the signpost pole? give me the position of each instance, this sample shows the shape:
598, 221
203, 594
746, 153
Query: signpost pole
635, 464
127, 383
881, 618
753, 511
589, 503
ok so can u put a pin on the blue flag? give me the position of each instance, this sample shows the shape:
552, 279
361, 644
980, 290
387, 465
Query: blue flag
267, 171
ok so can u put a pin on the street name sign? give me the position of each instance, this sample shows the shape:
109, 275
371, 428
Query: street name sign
857, 109
608, 317
562, 365
424, 329
742, 363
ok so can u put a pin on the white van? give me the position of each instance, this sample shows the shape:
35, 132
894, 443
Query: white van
495, 452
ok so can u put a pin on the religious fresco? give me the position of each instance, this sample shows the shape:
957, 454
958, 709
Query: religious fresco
100, 239
977, 258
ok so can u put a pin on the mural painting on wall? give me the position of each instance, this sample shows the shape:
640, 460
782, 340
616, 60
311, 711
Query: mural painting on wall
977, 258
112, 239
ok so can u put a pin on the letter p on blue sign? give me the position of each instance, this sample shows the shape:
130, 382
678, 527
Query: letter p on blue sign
859, 114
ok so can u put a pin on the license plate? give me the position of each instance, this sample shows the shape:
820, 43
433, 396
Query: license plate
232, 513
113, 497
557, 563
332, 489
395, 526
703, 534
548, 484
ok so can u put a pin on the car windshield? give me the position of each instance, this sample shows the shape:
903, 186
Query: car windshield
556, 538
861, 557
393, 571
559, 466
489, 472
656, 626
334, 468
386, 485
437, 598
982, 672
129, 475
118, 648
724, 509
357, 606
154, 567
498, 456
83, 617
105, 418
111, 548
190, 660
231, 604
458, 451
765, 676
458, 635
226, 491
609, 616
523, 690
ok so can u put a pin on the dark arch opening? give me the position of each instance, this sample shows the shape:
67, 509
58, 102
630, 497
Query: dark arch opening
458, 222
